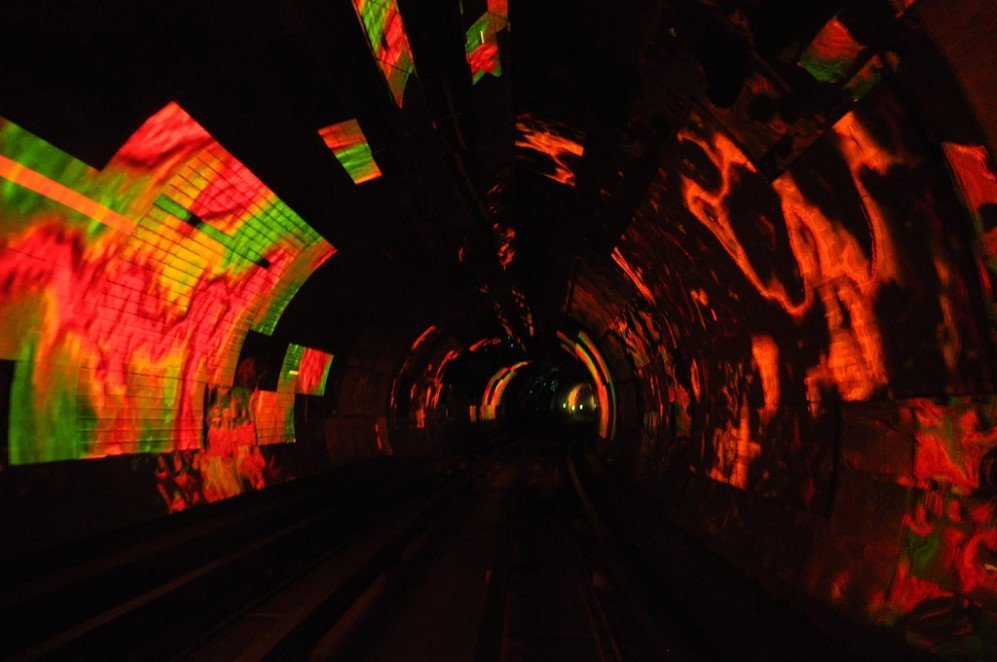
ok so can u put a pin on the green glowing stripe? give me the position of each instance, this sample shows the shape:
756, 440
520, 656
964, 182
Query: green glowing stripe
236, 246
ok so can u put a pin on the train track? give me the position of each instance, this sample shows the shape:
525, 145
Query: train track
494, 553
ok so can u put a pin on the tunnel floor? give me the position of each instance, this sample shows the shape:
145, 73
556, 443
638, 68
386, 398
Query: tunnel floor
512, 549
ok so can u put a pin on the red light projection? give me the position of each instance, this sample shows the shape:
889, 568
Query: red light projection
129, 290
832, 263
765, 353
313, 371
481, 42
949, 533
349, 144
970, 166
382, 23
950, 440
551, 149
423, 337
832, 54
634, 276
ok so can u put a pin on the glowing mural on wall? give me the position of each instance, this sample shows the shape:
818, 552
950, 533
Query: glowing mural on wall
382, 23
127, 291
858, 278
348, 143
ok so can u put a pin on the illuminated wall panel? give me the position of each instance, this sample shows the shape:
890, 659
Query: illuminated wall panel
348, 143
481, 43
383, 26
126, 291
832, 53
305, 370
313, 372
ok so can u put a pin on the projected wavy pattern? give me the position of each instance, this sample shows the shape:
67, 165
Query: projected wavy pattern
383, 26
349, 145
869, 300
126, 291
819, 255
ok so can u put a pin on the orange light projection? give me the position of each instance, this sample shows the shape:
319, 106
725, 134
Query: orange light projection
550, 148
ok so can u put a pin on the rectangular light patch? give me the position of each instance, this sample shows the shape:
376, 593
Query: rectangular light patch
348, 143
382, 23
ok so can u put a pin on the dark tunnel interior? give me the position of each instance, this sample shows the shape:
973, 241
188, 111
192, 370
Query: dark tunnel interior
498, 329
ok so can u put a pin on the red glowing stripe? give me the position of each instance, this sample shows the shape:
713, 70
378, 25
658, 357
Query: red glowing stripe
484, 342
430, 330
635, 277
495, 389
766, 355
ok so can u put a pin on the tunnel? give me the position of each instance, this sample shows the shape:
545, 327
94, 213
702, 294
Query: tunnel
498, 329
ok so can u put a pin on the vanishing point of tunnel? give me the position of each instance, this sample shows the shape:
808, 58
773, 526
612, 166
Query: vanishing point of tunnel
494, 330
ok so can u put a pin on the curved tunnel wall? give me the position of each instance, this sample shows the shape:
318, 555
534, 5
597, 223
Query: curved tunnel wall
812, 353
799, 334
